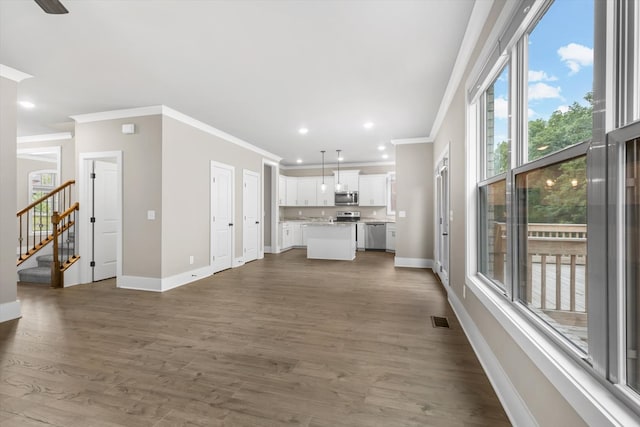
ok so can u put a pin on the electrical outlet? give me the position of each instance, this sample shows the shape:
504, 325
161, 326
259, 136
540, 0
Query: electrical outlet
299, 213
191, 259
322, 213
375, 213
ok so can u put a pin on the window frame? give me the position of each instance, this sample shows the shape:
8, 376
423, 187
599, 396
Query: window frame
591, 375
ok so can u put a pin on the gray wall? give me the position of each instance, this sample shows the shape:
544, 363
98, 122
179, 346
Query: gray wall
187, 153
414, 187
8, 207
544, 401
142, 179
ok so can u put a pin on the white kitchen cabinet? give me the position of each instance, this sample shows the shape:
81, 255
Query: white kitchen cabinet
292, 191
286, 235
307, 192
348, 179
360, 236
282, 190
304, 227
391, 237
373, 190
296, 233
328, 197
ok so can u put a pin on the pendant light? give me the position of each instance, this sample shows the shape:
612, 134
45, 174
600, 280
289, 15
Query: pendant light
323, 186
338, 185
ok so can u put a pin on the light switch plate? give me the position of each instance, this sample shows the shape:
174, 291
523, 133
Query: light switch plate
151, 215
402, 214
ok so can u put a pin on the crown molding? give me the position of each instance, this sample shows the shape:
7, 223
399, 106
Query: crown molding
478, 17
169, 112
118, 114
176, 115
13, 74
421, 140
61, 136
335, 165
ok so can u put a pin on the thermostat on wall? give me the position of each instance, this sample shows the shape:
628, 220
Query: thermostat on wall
128, 128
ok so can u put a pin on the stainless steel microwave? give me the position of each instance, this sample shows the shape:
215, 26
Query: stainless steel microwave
346, 198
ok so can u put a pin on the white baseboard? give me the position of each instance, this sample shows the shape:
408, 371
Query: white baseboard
139, 283
513, 404
237, 262
267, 250
172, 282
413, 262
165, 284
10, 311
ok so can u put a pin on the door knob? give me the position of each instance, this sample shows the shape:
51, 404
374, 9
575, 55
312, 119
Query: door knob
230, 224
445, 234
257, 222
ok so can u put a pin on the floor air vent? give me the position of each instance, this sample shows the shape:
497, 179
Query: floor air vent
439, 322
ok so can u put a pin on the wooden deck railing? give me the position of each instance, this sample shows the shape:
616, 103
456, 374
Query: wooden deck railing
559, 247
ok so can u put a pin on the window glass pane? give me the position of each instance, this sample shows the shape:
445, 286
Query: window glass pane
497, 125
493, 242
632, 239
552, 245
560, 77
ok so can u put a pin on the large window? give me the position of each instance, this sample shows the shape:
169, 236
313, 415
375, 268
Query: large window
552, 245
534, 245
632, 265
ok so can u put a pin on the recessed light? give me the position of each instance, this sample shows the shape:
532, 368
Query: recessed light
303, 131
381, 147
26, 104
299, 161
368, 125
385, 156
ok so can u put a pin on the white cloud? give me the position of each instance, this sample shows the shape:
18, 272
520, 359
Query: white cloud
575, 56
500, 108
562, 108
531, 113
543, 91
539, 76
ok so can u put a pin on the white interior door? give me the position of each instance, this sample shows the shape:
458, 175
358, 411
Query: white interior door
251, 215
106, 219
221, 216
442, 201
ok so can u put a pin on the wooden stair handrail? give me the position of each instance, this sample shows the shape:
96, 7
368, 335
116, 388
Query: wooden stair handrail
57, 280
46, 196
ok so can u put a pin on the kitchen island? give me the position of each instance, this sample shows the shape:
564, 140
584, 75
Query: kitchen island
331, 240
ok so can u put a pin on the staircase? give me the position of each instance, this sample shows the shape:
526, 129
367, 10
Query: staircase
50, 219
42, 273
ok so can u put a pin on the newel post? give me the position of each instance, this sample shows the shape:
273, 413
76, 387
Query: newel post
56, 275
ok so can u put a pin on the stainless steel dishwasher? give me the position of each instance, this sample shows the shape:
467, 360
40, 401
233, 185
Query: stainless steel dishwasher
375, 236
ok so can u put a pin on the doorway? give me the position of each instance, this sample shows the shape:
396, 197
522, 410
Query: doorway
100, 228
442, 220
222, 216
270, 207
251, 215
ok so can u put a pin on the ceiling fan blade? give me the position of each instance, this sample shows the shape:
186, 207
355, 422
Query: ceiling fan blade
52, 6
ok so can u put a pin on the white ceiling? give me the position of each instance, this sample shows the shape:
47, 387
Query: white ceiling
258, 70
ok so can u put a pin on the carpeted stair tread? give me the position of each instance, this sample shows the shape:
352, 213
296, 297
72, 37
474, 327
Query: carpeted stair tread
35, 275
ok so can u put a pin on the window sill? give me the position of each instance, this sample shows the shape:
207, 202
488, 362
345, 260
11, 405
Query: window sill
596, 401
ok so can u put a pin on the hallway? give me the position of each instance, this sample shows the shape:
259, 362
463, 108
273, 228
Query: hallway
280, 341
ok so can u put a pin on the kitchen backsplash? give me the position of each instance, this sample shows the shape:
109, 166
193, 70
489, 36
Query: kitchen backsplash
330, 212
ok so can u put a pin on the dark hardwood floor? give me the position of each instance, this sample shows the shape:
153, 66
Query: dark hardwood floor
280, 341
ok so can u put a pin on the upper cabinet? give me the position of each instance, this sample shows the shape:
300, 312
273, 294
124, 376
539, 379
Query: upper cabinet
328, 197
373, 190
307, 195
292, 191
282, 190
348, 179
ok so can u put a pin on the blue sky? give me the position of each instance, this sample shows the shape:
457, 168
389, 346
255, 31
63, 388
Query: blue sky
560, 62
